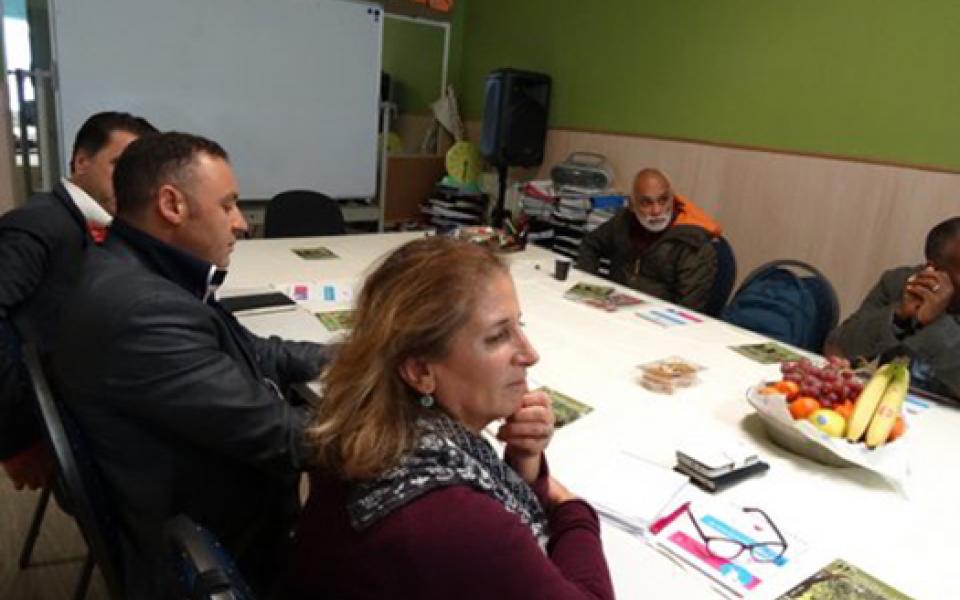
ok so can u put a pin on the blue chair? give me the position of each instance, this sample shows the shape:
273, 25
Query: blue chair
725, 278
79, 484
201, 568
302, 213
787, 300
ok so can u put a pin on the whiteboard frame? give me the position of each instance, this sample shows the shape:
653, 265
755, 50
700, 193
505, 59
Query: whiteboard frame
66, 141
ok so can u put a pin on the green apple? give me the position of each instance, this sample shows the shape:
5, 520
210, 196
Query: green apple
828, 421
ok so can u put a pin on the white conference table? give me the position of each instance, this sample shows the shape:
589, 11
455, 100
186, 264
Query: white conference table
848, 513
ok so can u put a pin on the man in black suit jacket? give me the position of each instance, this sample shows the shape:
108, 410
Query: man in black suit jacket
180, 402
41, 244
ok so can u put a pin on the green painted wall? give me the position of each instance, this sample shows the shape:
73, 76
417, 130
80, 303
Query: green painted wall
863, 78
457, 37
413, 55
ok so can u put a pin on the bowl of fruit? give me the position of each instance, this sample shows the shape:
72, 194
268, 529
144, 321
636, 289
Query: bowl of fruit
832, 414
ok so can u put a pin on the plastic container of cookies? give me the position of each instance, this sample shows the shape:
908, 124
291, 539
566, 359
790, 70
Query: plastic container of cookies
667, 375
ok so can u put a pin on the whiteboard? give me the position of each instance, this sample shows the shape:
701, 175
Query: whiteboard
290, 88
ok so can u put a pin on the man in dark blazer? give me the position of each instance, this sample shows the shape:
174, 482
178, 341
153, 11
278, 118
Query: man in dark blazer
41, 244
913, 311
182, 404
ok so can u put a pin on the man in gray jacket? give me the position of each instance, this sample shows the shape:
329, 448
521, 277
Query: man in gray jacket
180, 403
915, 312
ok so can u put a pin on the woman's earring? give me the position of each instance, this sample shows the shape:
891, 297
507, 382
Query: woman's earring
426, 401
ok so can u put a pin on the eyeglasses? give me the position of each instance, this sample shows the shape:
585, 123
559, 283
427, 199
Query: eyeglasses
732, 543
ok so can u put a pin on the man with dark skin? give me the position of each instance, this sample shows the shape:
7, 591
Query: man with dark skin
914, 312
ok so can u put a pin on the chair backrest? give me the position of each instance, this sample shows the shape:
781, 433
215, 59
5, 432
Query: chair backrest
787, 300
79, 479
725, 278
201, 567
302, 213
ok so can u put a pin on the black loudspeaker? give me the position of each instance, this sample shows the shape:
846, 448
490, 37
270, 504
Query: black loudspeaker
515, 118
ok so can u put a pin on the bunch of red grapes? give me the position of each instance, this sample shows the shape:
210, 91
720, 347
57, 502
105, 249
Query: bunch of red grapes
830, 384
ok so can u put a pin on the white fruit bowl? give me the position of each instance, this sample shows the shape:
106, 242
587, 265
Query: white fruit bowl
801, 437
787, 433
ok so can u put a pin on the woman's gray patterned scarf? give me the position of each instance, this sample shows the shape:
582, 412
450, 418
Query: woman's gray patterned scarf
446, 454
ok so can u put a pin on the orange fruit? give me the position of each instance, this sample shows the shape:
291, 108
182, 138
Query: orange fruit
769, 389
898, 428
790, 388
803, 407
845, 409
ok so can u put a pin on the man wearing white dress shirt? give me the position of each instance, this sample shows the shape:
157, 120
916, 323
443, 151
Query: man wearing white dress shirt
41, 244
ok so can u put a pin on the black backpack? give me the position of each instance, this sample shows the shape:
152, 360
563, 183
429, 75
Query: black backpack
787, 300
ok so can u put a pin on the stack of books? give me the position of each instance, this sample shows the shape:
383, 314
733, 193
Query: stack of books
571, 213
451, 207
604, 207
537, 200
559, 216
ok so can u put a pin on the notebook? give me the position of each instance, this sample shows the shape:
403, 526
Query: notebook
259, 301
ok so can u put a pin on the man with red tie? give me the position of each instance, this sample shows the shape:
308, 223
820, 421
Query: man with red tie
41, 244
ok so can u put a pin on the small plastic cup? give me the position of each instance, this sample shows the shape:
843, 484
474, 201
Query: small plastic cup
561, 268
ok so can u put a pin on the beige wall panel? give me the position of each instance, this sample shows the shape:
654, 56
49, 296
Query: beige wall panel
413, 128
851, 220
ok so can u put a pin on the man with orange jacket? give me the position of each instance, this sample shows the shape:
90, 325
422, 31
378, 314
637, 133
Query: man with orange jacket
660, 245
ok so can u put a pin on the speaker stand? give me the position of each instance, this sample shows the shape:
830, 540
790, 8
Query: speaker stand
500, 211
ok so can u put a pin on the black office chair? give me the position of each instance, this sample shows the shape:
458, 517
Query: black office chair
201, 568
79, 484
302, 213
33, 532
725, 278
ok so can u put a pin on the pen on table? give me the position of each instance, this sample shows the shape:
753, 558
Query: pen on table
658, 525
668, 317
685, 315
651, 319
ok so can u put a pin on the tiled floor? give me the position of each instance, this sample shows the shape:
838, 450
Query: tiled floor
57, 557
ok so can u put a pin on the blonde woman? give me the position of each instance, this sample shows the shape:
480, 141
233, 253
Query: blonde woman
409, 501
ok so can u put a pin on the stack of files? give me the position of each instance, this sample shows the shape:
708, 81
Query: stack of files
464, 213
567, 238
628, 491
452, 207
537, 202
596, 218
568, 218
541, 233
579, 190
580, 211
536, 208
542, 189
537, 199
573, 208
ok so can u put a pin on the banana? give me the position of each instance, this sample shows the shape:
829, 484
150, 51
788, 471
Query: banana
867, 403
889, 408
